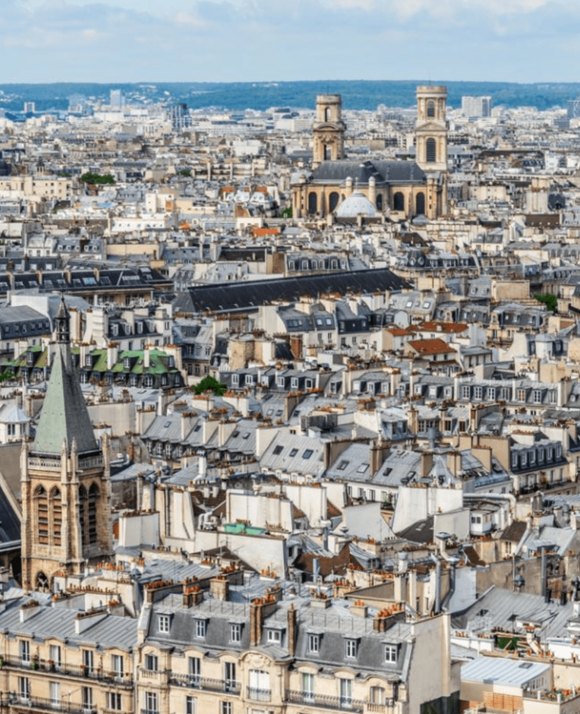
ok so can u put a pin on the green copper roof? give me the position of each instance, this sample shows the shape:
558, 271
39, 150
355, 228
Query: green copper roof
64, 414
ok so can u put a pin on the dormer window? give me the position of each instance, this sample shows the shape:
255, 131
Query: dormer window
391, 653
350, 648
274, 636
200, 628
235, 632
163, 623
235, 379
313, 644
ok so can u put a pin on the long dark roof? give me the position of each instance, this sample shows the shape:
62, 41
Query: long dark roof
384, 172
252, 294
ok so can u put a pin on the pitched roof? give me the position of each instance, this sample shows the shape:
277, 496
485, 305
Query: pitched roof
64, 414
434, 346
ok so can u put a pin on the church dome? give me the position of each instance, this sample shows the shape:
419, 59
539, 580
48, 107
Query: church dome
357, 204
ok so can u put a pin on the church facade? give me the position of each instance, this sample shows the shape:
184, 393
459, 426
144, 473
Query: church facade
65, 485
403, 188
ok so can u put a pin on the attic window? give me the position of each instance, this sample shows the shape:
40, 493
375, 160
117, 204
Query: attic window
307, 453
362, 468
342, 465
293, 453
278, 450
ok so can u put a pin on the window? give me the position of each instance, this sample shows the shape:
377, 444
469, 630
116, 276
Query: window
345, 689
118, 665
308, 686
163, 623
24, 650
190, 705
377, 695
24, 688
342, 465
351, 648
54, 692
151, 663
226, 708
431, 109
235, 632
274, 636
230, 676
194, 667
115, 701
200, 628
55, 655
277, 450
87, 697
307, 453
313, 644
391, 653
431, 151
151, 703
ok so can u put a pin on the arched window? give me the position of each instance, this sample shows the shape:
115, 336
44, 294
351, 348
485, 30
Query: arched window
327, 152
83, 513
380, 202
333, 201
93, 505
312, 203
431, 109
56, 516
431, 151
420, 204
398, 202
327, 116
41, 582
41, 510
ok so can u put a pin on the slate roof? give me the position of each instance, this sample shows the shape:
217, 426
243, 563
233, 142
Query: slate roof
252, 294
64, 414
384, 172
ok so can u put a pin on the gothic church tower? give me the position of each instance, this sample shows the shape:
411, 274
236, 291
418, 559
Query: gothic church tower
66, 513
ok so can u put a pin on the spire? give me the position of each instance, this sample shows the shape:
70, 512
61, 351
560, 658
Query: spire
62, 323
64, 416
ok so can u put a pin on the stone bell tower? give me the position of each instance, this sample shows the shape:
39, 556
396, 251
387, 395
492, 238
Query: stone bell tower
66, 511
328, 130
431, 146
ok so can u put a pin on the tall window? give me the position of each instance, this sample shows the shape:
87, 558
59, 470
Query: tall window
87, 697
41, 508
55, 692
431, 109
230, 676
55, 655
194, 670
24, 688
24, 651
93, 503
190, 705
115, 701
431, 151
308, 686
398, 202
56, 516
345, 690
151, 703
118, 665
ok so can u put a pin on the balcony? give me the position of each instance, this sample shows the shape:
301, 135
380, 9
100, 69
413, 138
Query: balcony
210, 685
68, 670
31, 704
326, 702
259, 695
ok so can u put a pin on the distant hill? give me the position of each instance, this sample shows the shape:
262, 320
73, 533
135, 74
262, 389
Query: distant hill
262, 95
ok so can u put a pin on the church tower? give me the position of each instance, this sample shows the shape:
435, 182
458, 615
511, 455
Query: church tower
431, 128
328, 130
431, 146
66, 513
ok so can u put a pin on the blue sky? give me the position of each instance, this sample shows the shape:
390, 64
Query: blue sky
238, 40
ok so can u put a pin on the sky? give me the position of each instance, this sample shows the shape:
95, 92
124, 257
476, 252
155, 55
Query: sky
268, 40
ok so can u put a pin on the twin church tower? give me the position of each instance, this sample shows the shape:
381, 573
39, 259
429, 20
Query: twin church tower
409, 188
65, 484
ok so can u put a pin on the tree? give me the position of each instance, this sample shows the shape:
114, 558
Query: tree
549, 300
210, 384
97, 179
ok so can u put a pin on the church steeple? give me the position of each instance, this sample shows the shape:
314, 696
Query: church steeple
62, 324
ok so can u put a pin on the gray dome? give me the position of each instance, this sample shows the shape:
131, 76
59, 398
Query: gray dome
356, 204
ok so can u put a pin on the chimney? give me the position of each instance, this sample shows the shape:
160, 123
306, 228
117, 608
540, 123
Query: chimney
219, 588
292, 630
379, 452
256, 622
192, 594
